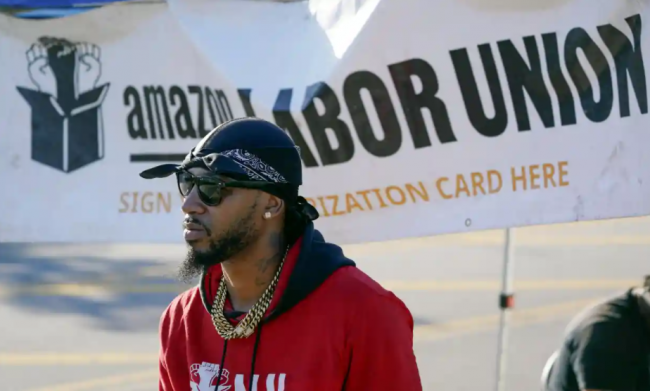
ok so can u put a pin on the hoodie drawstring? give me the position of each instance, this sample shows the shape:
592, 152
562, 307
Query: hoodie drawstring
257, 343
223, 359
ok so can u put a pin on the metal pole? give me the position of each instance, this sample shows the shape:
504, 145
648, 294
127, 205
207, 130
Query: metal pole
506, 302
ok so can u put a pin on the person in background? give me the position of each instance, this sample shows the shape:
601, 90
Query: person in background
607, 347
277, 308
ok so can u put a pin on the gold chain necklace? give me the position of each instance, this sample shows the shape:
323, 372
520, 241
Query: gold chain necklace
247, 325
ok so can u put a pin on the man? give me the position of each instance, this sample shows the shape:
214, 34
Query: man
277, 308
607, 347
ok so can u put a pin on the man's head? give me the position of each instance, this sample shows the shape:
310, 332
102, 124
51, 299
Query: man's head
239, 185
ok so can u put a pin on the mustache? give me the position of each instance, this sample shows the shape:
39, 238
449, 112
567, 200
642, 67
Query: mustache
192, 220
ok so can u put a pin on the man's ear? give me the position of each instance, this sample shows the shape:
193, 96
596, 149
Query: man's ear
274, 207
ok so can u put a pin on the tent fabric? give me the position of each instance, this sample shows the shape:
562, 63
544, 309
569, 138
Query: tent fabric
54, 3
48, 9
51, 13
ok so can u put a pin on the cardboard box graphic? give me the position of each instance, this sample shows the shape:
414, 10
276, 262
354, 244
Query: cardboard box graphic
71, 138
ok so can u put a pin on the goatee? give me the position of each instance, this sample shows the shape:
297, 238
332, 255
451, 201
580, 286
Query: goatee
231, 243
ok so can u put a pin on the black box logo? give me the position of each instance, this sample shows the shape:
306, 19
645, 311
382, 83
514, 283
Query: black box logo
67, 123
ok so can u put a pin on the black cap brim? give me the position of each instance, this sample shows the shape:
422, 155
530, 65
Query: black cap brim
161, 171
216, 163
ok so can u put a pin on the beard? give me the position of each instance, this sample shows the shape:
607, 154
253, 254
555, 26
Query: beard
239, 236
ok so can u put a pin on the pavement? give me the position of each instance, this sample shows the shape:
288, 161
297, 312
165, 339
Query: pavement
85, 317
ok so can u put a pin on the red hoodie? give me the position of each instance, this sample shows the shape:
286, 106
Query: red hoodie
329, 327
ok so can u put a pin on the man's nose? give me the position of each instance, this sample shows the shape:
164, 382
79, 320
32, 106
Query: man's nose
192, 204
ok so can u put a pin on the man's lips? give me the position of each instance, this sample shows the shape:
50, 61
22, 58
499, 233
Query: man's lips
193, 231
193, 227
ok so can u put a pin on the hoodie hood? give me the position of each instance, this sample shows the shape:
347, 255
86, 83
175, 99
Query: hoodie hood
310, 261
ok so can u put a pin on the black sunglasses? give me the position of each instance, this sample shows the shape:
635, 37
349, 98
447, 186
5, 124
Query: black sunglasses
211, 187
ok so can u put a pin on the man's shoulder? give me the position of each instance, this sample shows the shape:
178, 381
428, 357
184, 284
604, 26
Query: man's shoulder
173, 321
367, 306
178, 309
603, 349
353, 287
613, 315
349, 279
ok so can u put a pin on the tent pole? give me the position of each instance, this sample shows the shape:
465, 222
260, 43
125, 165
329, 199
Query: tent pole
506, 302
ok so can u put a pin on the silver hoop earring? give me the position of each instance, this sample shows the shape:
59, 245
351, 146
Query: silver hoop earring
267, 215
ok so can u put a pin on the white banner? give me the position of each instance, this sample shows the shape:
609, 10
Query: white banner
414, 117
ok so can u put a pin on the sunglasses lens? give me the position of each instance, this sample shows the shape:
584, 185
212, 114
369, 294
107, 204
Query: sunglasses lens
185, 184
209, 190
210, 193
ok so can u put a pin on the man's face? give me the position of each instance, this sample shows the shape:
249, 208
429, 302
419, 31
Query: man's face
216, 233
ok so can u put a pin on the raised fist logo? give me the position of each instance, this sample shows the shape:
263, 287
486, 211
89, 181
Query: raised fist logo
67, 126
40, 71
62, 68
203, 377
90, 69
